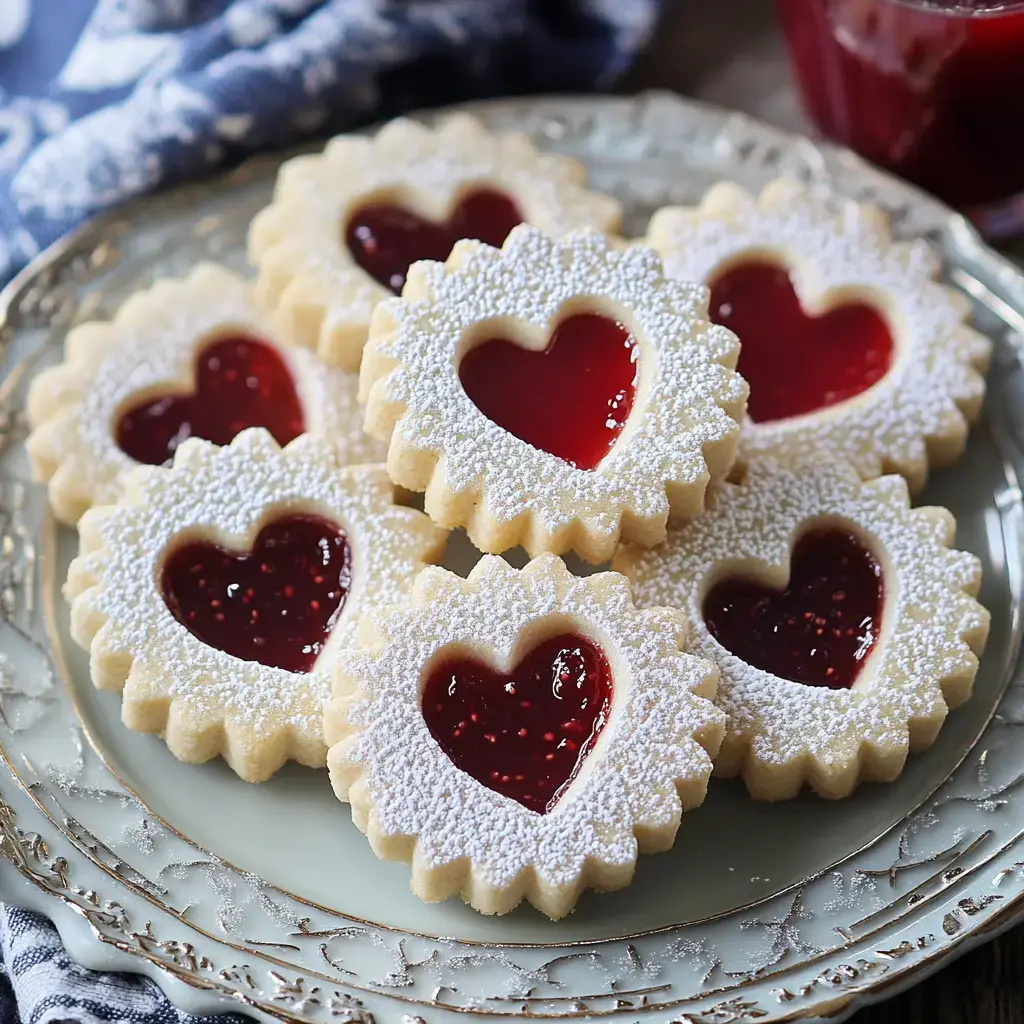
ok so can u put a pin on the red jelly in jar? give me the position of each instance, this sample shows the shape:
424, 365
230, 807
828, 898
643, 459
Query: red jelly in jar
930, 89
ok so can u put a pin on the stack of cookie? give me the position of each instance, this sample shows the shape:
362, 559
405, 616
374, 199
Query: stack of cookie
712, 410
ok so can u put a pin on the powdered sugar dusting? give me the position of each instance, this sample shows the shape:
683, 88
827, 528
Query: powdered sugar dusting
227, 495
683, 418
151, 347
297, 242
917, 412
928, 621
652, 747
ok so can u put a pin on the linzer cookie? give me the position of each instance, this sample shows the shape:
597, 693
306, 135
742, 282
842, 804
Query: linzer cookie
843, 624
215, 592
556, 394
346, 224
520, 734
848, 342
189, 357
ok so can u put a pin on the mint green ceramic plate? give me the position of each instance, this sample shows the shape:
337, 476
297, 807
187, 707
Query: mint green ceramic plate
267, 898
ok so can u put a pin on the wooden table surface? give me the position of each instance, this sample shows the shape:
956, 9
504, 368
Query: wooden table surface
729, 52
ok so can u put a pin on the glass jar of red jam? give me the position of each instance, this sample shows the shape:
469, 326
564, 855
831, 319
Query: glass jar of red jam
930, 89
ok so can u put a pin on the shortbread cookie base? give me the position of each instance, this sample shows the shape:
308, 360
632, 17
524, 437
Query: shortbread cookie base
650, 764
203, 701
918, 414
150, 347
317, 293
681, 433
782, 735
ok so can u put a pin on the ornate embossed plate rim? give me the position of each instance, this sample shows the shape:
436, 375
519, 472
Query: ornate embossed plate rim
997, 276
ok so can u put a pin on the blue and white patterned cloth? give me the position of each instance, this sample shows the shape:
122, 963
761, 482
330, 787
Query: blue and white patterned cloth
103, 99
43, 986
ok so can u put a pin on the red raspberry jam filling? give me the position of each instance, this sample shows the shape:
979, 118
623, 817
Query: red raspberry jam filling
821, 628
571, 399
527, 734
275, 605
240, 382
385, 238
795, 363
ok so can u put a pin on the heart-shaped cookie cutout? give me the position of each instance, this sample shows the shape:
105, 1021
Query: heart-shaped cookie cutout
385, 238
240, 382
821, 628
795, 363
524, 735
570, 399
275, 604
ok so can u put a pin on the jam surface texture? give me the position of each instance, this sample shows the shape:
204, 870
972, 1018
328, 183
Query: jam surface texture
795, 363
523, 735
275, 604
570, 399
385, 238
240, 382
821, 628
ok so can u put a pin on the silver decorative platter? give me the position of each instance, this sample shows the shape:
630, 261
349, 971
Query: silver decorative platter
266, 899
